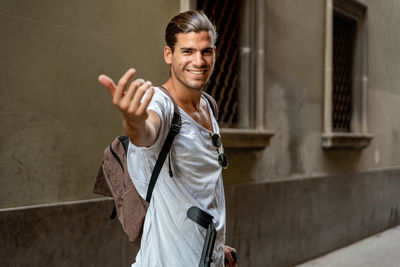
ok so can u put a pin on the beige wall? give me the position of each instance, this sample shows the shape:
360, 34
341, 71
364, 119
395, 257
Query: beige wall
384, 83
55, 117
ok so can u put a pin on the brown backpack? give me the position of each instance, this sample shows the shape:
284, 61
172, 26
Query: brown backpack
113, 179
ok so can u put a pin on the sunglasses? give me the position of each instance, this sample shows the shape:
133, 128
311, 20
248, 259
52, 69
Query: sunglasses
222, 158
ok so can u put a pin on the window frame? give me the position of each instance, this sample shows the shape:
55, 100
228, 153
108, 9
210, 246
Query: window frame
358, 137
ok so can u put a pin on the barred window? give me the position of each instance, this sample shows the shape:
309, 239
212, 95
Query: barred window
345, 109
344, 33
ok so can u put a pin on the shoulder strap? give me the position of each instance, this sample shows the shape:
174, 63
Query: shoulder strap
125, 142
213, 104
173, 131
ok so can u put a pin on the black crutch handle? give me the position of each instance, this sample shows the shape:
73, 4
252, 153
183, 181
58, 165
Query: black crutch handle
206, 220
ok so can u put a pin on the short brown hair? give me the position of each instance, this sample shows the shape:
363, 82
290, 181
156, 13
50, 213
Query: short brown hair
189, 21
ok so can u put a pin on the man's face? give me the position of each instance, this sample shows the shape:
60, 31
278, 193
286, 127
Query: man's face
192, 61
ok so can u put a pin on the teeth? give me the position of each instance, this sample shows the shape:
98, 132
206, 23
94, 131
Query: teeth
197, 72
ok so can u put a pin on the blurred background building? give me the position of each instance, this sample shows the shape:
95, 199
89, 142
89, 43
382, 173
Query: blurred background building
309, 99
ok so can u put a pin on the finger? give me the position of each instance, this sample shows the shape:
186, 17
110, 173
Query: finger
119, 92
132, 90
146, 101
139, 94
108, 83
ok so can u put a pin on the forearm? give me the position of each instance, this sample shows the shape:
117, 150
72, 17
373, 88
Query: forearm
143, 134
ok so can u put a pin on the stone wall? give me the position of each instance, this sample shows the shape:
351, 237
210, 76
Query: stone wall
270, 224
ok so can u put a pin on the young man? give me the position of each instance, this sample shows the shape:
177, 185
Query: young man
169, 237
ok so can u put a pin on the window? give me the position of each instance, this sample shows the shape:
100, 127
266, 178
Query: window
237, 81
345, 109
344, 32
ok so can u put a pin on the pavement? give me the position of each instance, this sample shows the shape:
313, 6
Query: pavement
380, 250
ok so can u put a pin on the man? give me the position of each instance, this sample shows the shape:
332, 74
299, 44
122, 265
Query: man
169, 237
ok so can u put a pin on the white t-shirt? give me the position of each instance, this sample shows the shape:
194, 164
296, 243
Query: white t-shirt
170, 238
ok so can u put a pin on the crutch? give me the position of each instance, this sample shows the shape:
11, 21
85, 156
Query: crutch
206, 220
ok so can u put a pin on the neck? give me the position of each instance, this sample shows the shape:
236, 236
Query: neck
188, 99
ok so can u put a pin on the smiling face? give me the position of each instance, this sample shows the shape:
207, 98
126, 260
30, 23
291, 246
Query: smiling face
192, 61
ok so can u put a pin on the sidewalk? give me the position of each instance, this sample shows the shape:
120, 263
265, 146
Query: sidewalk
382, 250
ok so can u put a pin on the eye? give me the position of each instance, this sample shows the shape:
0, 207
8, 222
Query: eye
208, 52
186, 52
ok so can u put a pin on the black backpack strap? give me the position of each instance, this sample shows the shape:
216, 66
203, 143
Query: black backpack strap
213, 104
173, 131
124, 141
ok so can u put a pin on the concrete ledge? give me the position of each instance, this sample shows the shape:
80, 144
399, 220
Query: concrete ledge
63, 236
286, 223
245, 138
346, 140
270, 224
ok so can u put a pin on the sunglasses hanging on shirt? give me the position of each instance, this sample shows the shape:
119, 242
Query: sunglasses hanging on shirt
222, 158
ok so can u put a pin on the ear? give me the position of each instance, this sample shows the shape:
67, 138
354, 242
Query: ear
167, 54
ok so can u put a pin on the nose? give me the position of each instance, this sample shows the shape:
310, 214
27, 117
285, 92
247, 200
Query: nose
198, 60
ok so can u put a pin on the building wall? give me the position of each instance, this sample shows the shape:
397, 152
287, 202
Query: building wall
294, 101
295, 200
384, 87
287, 203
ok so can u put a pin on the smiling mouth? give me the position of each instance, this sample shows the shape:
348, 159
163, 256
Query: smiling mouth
197, 72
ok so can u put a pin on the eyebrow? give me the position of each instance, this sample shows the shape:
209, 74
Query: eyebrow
192, 49
187, 48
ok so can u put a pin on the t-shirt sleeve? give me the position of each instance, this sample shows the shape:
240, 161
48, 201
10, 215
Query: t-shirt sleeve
159, 104
163, 106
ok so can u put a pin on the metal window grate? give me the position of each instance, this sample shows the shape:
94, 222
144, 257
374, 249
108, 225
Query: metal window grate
344, 32
223, 84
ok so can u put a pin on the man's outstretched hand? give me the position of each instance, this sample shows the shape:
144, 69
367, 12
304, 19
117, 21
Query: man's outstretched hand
141, 126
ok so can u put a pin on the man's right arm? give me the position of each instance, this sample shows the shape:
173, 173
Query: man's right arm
140, 125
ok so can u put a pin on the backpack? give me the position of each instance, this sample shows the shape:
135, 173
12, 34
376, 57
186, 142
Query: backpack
113, 179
